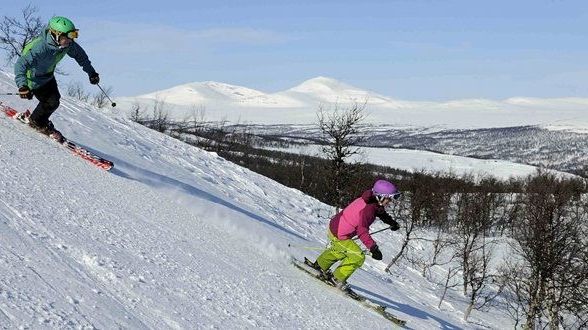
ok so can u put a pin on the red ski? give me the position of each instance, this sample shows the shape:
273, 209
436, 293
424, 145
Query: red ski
71, 146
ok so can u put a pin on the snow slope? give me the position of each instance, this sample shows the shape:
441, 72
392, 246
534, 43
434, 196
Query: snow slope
298, 105
173, 237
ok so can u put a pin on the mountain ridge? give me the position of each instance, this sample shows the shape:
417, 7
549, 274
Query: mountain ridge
298, 105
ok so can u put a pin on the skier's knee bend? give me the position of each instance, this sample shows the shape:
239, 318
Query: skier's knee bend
52, 103
357, 258
361, 259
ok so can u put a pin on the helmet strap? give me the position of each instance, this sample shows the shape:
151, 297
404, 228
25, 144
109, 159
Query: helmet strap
54, 35
380, 199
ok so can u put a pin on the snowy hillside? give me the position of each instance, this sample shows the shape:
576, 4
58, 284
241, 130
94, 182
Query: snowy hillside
515, 151
418, 160
174, 237
298, 105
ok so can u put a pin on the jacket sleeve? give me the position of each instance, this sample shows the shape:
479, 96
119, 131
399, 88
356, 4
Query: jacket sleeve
387, 219
76, 52
23, 63
363, 231
367, 197
384, 216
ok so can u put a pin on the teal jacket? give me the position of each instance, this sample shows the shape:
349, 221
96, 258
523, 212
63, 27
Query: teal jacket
36, 65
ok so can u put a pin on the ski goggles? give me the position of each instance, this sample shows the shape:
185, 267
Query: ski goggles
71, 34
394, 196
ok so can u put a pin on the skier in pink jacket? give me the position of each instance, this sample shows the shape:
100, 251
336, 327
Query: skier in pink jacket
354, 220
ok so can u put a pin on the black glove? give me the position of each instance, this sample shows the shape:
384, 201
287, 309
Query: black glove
94, 78
25, 93
394, 225
376, 254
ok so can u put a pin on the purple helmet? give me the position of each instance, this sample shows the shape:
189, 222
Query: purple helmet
385, 189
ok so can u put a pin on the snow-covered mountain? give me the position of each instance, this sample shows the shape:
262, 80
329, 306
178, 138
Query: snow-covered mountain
317, 90
468, 128
328, 91
175, 237
211, 92
298, 105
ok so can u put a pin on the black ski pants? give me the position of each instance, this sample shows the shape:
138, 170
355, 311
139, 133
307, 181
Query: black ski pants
48, 96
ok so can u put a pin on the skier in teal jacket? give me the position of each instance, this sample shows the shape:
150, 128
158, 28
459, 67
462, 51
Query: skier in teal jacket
34, 70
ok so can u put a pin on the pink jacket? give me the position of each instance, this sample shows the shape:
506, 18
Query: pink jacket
357, 218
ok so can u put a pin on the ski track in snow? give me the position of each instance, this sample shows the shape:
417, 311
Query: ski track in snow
173, 237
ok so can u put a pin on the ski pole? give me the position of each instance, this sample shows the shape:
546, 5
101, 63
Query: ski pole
305, 247
375, 232
9, 94
112, 103
319, 248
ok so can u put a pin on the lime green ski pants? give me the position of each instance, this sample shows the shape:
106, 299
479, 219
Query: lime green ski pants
346, 251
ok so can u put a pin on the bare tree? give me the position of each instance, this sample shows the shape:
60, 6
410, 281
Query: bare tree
342, 131
302, 165
439, 252
403, 216
428, 203
574, 283
159, 121
137, 114
475, 215
440, 244
479, 278
101, 98
512, 277
217, 135
193, 124
198, 113
241, 139
76, 90
15, 32
549, 239
449, 283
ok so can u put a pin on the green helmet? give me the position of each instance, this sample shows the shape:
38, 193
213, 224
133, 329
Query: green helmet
61, 24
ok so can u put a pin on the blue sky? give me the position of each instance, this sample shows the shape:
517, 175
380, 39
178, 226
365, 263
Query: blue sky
405, 49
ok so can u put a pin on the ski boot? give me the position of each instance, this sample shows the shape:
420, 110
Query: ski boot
325, 275
48, 130
346, 288
23, 117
